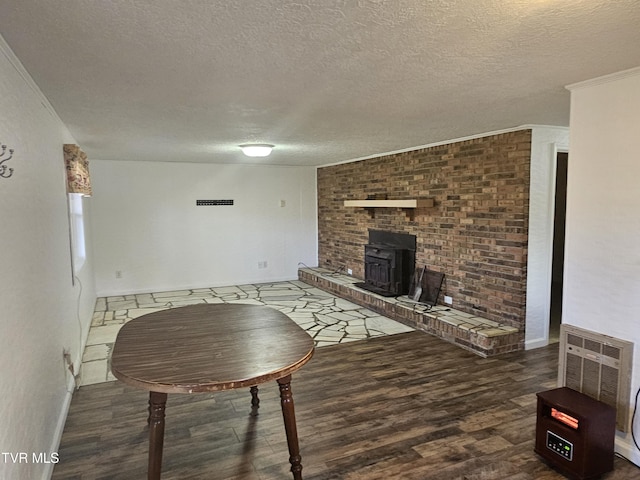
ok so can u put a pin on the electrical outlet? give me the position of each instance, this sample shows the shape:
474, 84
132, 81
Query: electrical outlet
263, 264
349, 271
66, 356
118, 273
448, 300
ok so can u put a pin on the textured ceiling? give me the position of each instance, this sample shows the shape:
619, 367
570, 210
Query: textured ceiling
323, 80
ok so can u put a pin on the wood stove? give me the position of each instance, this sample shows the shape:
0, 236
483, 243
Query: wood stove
389, 262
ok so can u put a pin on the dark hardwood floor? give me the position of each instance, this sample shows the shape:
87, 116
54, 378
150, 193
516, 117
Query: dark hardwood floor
407, 406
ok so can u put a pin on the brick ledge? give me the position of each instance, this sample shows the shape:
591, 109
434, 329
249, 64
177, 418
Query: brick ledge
476, 334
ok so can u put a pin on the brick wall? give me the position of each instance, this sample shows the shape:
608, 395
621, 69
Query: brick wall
476, 233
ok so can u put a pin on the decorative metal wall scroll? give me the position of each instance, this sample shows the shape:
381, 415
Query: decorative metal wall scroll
5, 172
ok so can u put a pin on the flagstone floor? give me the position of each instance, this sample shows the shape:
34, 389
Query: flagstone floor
328, 319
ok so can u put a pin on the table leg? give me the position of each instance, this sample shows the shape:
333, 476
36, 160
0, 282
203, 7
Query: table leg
255, 401
157, 403
288, 413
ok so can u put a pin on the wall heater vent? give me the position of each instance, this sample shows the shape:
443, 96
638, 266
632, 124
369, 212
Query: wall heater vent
213, 203
598, 366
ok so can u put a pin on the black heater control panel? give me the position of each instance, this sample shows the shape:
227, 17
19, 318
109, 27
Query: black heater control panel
559, 445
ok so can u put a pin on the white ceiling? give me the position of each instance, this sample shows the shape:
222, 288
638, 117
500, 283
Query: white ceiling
323, 80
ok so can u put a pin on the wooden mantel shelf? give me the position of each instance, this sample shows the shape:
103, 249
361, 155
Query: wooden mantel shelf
413, 203
407, 205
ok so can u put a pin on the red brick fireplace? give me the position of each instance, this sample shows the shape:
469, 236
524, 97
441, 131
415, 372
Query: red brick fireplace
476, 232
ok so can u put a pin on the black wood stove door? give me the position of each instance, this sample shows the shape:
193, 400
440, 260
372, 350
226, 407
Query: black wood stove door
383, 268
378, 272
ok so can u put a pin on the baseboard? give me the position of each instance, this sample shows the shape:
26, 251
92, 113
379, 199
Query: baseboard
167, 288
628, 451
536, 343
62, 419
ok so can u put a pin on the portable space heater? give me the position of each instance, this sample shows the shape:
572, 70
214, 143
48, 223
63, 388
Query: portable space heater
575, 433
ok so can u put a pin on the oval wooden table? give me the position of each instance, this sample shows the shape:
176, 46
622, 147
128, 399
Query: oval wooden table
206, 348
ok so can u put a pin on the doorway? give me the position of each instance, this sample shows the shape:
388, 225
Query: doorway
557, 265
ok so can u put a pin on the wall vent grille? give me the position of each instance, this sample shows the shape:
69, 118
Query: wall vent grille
598, 366
213, 203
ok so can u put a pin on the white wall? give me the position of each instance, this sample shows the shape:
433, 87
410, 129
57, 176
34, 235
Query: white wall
41, 313
546, 142
602, 253
147, 226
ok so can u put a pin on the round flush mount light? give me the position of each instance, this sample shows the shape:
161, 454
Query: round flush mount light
256, 149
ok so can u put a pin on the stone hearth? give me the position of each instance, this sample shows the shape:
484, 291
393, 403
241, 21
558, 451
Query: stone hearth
479, 335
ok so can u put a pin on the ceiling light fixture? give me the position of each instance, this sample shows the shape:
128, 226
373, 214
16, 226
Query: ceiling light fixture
257, 149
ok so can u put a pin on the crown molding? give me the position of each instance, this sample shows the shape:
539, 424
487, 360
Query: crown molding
612, 77
15, 62
444, 142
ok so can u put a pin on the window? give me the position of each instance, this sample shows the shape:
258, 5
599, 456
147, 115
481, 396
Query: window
76, 232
